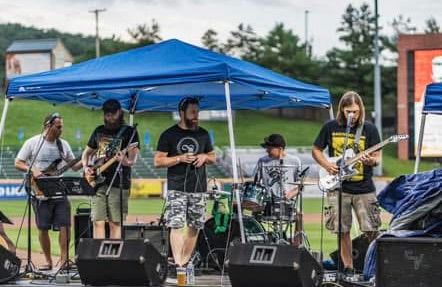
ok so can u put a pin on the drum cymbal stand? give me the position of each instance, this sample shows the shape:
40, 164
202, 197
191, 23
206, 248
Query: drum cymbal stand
299, 220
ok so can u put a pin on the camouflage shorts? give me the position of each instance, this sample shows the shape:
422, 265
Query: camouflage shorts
183, 207
366, 208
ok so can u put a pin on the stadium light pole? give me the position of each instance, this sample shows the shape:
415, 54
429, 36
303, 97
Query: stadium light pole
306, 31
97, 37
377, 85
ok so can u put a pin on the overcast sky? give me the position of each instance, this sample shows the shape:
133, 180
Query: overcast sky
189, 19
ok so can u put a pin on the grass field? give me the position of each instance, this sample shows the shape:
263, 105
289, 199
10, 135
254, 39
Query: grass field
15, 209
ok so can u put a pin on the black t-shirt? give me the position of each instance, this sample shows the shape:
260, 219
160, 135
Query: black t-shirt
107, 144
175, 141
332, 135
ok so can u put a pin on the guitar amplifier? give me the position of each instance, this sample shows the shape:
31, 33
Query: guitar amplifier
408, 262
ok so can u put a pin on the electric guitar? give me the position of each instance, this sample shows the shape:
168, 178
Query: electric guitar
329, 181
97, 178
51, 170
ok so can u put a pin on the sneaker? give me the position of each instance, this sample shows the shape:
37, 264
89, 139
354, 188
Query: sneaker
349, 272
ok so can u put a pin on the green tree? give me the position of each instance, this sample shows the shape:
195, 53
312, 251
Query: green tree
211, 42
432, 26
351, 68
144, 34
282, 51
243, 43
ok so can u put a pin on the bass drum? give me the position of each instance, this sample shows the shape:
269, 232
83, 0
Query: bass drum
211, 247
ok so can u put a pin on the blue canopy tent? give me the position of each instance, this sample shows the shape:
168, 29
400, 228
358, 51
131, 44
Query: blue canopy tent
156, 77
432, 105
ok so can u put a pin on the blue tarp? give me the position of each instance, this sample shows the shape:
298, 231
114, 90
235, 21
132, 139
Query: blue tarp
414, 201
159, 75
433, 99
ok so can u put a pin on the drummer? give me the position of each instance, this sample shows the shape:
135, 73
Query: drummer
270, 167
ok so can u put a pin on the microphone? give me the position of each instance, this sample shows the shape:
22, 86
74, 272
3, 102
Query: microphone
349, 118
304, 171
281, 161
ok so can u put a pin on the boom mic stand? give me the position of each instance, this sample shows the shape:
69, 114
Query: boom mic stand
119, 171
30, 267
340, 190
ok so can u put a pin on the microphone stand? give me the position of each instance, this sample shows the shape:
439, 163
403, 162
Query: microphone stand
340, 191
30, 267
119, 171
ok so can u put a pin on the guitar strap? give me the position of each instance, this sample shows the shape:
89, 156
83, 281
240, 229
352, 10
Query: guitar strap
113, 144
357, 138
60, 149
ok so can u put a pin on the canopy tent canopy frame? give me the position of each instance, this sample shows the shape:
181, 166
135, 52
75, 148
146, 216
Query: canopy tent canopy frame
432, 105
158, 76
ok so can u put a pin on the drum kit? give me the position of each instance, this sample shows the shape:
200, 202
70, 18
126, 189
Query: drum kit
268, 218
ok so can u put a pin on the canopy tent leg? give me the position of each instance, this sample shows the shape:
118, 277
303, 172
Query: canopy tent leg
234, 159
330, 112
419, 143
5, 112
131, 119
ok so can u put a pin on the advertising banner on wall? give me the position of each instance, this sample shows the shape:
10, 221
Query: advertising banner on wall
10, 191
427, 69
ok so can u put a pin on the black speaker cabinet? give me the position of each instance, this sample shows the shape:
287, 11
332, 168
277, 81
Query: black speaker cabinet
83, 227
409, 262
359, 250
9, 265
120, 262
255, 265
156, 234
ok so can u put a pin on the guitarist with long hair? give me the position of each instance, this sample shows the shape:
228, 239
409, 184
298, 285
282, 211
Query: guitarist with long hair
50, 213
359, 190
109, 144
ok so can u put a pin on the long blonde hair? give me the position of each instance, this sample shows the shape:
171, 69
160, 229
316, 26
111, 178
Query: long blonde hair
349, 98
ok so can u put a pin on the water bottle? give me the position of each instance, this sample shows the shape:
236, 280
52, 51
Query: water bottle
190, 273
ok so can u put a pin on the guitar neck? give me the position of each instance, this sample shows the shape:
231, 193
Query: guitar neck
367, 151
65, 168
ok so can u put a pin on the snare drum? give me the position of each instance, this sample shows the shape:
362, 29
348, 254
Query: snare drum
253, 197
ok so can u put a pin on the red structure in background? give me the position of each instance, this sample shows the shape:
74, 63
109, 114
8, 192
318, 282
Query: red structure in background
408, 84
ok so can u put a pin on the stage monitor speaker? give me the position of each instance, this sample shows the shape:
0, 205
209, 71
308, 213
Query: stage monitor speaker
359, 250
408, 262
120, 262
255, 265
9, 265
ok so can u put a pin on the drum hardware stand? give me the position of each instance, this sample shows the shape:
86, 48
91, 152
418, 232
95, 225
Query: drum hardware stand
300, 216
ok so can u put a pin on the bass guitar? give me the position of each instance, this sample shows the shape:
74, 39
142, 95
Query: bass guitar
97, 178
329, 182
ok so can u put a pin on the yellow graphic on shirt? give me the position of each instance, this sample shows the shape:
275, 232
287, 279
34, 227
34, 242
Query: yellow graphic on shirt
338, 139
103, 146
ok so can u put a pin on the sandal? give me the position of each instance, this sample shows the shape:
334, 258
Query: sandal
45, 267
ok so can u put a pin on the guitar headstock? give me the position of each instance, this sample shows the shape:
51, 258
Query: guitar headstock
398, 138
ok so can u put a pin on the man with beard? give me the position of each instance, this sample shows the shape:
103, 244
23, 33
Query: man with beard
185, 149
106, 142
